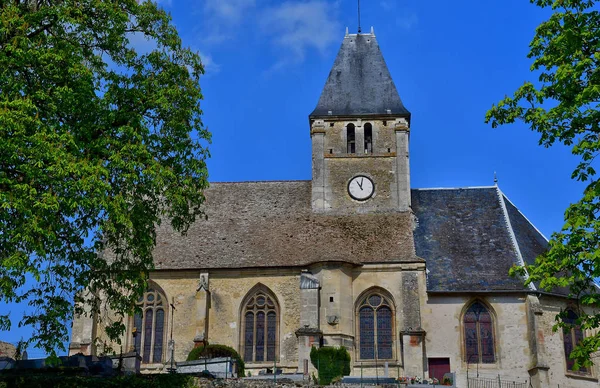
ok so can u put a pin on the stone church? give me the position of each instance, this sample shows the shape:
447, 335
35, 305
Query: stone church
410, 281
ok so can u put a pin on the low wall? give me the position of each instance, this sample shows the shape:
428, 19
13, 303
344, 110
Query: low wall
221, 367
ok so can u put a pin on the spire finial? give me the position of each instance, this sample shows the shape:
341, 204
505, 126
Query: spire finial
359, 17
495, 179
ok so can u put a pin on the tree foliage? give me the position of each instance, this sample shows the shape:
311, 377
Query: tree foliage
563, 106
99, 143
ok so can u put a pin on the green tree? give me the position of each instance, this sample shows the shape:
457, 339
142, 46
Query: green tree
99, 143
563, 106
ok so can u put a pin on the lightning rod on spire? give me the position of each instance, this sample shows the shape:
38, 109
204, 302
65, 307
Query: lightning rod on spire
359, 17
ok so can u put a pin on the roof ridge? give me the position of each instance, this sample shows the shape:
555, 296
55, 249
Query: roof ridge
263, 181
454, 188
524, 216
511, 233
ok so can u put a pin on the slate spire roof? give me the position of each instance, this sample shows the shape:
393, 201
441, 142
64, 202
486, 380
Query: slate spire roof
359, 83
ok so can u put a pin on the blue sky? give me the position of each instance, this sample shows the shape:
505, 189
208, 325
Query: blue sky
267, 61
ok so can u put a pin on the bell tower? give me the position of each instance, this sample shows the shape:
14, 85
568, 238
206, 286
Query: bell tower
360, 134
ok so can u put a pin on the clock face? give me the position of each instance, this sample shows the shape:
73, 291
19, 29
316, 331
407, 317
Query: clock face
361, 188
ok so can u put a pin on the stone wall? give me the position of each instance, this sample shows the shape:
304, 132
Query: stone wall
551, 344
227, 290
517, 340
442, 320
386, 166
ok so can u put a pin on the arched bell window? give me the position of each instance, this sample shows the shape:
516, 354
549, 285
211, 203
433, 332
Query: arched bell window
572, 337
478, 326
149, 326
368, 138
375, 320
350, 139
260, 325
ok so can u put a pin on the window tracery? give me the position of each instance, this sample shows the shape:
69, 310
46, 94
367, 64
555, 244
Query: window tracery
478, 326
375, 316
149, 326
260, 318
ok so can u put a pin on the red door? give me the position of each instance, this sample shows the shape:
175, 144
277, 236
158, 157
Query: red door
438, 367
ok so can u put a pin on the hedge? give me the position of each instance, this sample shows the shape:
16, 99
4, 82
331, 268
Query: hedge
212, 351
331, 362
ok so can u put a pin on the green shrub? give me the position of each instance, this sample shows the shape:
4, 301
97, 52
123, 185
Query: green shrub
331, 362
212, 351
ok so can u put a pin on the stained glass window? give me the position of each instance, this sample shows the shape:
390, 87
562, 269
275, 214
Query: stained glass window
375, 328
384, 333
478, 328
249, 337
147, 336
149, 327
260, 326
159, 325
260, 337
271, 334
571, 337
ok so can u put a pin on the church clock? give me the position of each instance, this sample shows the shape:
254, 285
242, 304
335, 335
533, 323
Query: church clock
361, 188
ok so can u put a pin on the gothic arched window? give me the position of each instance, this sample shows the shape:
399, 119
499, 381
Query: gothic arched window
350, 139
375, 320
260, 326
572, 337
478, 327
149, 326
368, 138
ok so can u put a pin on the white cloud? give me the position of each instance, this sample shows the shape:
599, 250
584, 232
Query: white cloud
292, 27
295, 27
210, 66
407, 22
388, 5
230, 11
224, 17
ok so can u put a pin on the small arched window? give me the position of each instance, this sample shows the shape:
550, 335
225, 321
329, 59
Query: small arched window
350, 139
571, 337
149, 325
479, 334
260, 325
368, 138
375, 316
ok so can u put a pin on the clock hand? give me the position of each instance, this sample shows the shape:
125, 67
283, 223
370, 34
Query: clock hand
360, 184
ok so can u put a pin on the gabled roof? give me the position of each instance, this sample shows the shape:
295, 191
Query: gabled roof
271, 224
471, 237
359, 83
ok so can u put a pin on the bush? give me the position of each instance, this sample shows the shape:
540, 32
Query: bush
332, 363
212, 351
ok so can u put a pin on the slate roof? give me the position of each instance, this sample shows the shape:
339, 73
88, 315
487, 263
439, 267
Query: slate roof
359, 82
271, 224
471, 237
